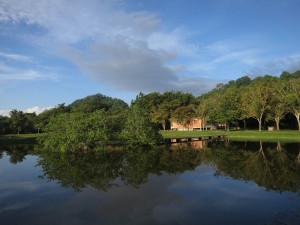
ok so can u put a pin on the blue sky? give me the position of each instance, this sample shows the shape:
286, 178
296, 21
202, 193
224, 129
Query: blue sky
57, 51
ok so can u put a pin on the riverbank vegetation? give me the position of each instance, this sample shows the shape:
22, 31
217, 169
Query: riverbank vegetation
98, 120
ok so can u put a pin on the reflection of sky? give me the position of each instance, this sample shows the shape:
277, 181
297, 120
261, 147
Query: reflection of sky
194, 197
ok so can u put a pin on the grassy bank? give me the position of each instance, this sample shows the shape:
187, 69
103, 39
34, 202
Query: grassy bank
284, 136
18, 138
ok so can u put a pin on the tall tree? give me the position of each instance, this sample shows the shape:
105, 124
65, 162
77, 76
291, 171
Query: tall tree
255, 100
278, 102
4, 124
226, 106
17, 120
202, 110
293, 97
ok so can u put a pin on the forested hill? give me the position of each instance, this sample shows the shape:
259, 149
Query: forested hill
98, 101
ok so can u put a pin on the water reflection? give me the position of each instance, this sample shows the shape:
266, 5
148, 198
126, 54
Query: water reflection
16, 153
270, 165
191, 183
275, 166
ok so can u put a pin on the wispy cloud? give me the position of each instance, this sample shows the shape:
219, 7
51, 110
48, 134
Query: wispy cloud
16, 57
9, 73
275, 66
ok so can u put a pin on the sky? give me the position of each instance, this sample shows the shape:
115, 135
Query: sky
57, 51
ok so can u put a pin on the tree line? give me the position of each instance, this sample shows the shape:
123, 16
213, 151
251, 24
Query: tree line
97, 119
268, 100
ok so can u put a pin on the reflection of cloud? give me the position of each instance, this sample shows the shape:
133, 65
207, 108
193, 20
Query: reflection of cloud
15, 206
9, 191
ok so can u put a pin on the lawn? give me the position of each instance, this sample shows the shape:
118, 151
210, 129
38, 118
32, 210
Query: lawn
19, 138
285, 136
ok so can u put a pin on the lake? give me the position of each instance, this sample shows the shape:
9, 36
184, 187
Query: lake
204, 182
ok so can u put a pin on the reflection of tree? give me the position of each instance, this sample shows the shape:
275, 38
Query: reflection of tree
257, 167
77, 171
273, 166
180, 159
270, 166
298, 158
16, 153
101, 170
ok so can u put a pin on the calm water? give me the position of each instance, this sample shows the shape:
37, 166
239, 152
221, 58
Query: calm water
207, 183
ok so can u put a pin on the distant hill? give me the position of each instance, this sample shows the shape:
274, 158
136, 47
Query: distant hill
98, 101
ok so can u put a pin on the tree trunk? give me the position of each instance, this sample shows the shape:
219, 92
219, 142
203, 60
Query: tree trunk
298, 119
164, 125
244, 124
259, 124
277, 120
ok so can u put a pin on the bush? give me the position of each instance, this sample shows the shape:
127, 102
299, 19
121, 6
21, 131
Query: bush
139, 130
77, 131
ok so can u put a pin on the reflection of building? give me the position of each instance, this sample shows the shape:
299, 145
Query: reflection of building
195, 124
199, 144
202, 144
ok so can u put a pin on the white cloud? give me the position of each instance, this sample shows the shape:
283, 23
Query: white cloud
71, 21
4, 112
35, 109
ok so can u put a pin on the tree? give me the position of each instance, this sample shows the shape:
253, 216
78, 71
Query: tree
139, 129
278, 104
202, 110
161, 114
98, 102
255, 100
293, 97
183, 115
4, 124
225, 106
17, 120
243, 81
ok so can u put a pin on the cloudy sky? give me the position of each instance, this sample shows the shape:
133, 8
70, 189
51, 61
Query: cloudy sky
56, 51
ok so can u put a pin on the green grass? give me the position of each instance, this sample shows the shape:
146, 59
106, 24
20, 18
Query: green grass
19, 138
284, 136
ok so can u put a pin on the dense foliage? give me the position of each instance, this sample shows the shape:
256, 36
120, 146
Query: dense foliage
98, 119
77, 131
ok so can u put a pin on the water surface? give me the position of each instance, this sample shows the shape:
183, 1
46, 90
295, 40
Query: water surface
199, 183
